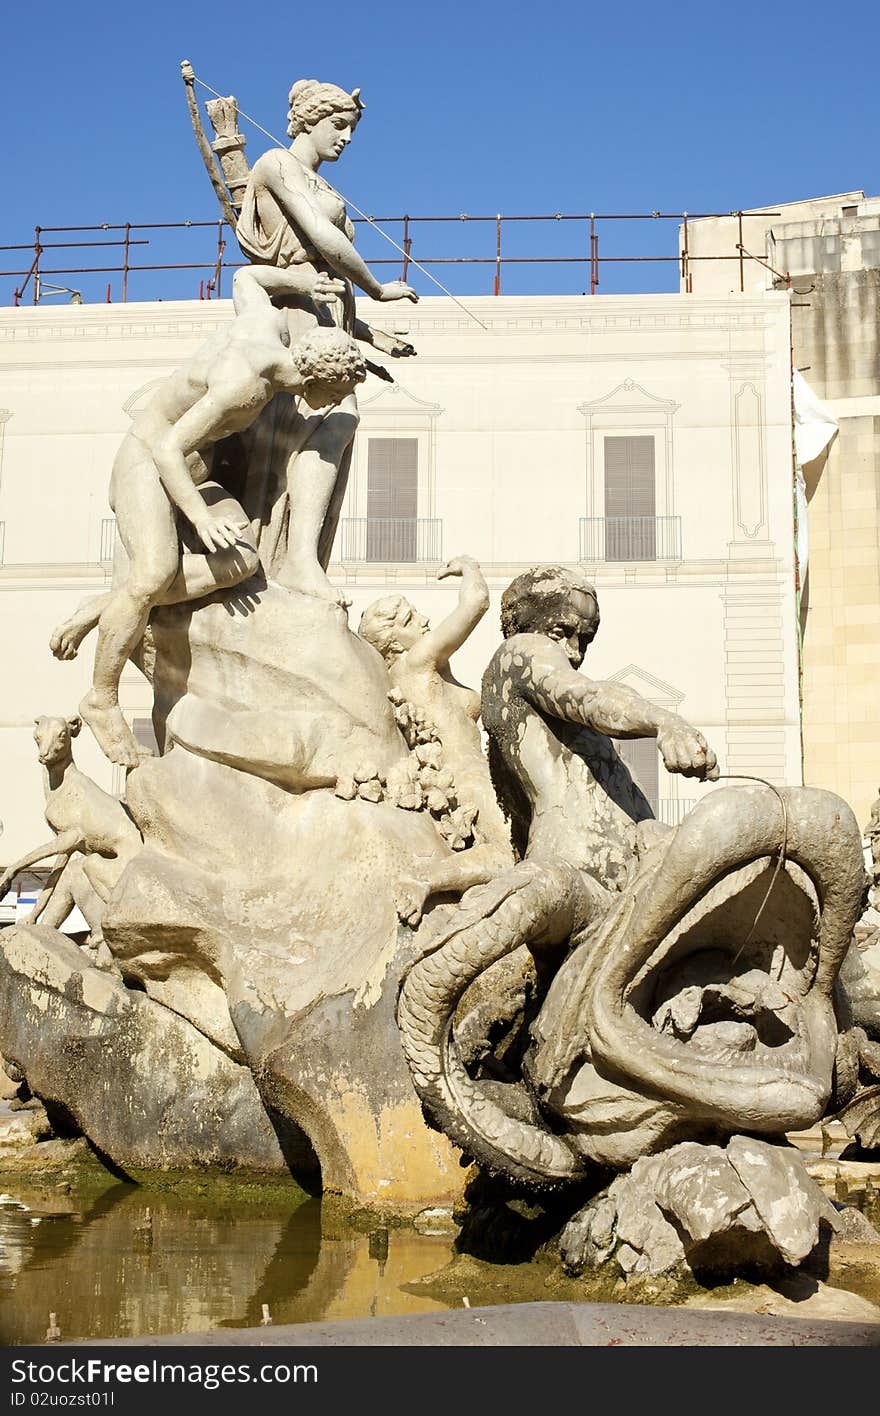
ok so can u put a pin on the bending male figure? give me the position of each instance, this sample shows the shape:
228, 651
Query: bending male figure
162, 470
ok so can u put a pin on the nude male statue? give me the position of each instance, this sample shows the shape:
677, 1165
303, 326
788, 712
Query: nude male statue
580, 827
569, 795
162, 472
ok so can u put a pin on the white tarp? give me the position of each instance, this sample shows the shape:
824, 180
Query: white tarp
814, 427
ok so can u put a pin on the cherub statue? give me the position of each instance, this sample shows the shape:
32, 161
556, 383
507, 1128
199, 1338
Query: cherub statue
417, 658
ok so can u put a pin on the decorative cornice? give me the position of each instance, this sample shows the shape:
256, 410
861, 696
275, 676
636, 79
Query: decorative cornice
487, 355
526, 314
751, 578
630, 387
407, 403
658, 687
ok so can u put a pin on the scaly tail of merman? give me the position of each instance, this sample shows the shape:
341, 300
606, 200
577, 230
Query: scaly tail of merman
530, 904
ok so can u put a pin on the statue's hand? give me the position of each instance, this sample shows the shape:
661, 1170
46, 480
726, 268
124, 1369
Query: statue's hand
397, 290
326, 288
219, 533
685, 750
5, 881
410, 903
389, 343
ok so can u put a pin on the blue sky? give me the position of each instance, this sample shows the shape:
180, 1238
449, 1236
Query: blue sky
471, 107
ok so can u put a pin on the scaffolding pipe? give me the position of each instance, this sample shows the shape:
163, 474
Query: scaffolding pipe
407, 247
497, 290
125, 254
212, 287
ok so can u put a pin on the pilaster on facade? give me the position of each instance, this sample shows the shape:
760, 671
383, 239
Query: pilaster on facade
748, 434
755, 678
5, 415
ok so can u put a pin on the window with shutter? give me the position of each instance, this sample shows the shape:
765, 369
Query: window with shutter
630, 505
144, 735
392, 499
643, 761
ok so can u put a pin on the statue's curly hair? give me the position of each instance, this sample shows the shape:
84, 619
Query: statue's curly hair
310, 101
535, 593
377, 623
329, 356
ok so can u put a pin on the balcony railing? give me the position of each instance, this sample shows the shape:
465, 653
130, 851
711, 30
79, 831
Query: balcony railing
630, 538
672, 810
108, 538
391, 539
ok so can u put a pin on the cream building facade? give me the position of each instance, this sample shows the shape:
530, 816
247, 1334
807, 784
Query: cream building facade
828, 250
645, 438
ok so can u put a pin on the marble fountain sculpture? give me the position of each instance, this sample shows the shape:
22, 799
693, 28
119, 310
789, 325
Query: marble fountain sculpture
329, 935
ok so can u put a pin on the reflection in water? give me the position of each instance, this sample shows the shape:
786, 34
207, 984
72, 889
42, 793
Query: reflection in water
130, 1263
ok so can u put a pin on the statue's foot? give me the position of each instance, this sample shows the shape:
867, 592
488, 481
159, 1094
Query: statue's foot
411, 897
113, 735
67, 638
308, 578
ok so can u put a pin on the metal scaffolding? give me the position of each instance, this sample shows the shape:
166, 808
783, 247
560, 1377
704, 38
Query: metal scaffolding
126, 239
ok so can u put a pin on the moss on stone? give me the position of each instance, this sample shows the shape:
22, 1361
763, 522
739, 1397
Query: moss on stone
543, 1279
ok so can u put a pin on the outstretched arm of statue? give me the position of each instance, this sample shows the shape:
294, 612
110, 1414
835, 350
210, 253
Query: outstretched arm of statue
387, 343
64, 844
558, 689
320, 232
199, 427
254, 287
439, 644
